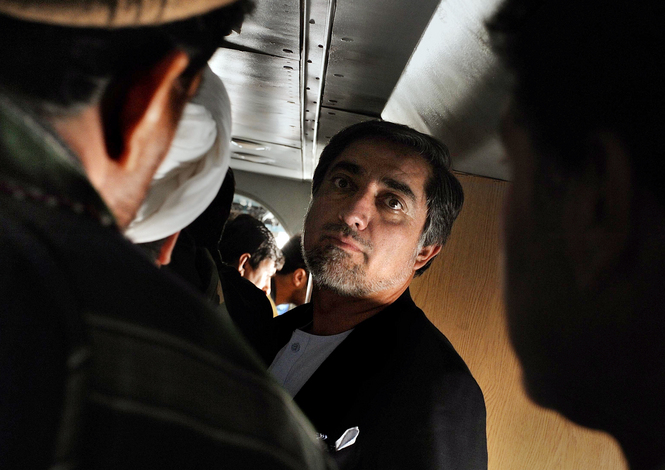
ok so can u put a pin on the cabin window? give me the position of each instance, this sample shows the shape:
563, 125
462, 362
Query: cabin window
247, 205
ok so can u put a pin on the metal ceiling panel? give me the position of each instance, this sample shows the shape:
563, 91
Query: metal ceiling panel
265, 95
266, 169
355, 53
273, 28
294, 94
318, 16
261, 73
332, 120
453, 88
371, 43
270, 159
266, 154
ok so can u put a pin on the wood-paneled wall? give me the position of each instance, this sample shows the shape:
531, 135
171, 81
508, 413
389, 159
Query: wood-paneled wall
461, 294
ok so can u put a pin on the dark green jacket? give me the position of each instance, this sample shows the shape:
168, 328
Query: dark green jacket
106, 362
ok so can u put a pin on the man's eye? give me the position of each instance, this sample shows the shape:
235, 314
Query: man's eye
340, 182
394, 203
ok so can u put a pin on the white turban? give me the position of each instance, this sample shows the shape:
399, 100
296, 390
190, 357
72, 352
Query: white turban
190, 176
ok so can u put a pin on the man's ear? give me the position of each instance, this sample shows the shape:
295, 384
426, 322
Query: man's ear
425, 254
167, 249
597, 209
299, 278
151, 110
240, 266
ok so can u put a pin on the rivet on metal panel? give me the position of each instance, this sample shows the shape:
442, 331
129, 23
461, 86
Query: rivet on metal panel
312, 21
331, 113
321, 46
347, 39
291, 102
288, 50
309, 61
332, 101
288, 67
338, 75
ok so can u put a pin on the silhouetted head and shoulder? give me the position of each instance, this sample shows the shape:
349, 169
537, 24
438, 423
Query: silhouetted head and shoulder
585, 218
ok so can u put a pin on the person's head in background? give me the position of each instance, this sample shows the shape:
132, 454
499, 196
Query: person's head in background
249, 246
111, 79
585, 217
187, 185
290, 282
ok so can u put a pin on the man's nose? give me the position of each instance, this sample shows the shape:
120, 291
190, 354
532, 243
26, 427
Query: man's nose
357, 212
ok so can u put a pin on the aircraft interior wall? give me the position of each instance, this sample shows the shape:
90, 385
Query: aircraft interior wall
461, 294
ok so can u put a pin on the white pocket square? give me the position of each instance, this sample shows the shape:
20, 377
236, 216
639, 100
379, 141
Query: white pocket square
347, 439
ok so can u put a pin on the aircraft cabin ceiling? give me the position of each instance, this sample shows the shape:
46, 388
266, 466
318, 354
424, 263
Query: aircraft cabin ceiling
301, 71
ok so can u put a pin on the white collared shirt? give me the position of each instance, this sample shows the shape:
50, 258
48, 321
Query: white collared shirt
295, 363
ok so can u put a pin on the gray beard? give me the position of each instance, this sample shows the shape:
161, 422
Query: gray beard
332, 269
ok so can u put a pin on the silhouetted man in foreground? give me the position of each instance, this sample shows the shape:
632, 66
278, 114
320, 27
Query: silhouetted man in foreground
104, 361
585, 218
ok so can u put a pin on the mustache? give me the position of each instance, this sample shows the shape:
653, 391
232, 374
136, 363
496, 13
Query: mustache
347, 231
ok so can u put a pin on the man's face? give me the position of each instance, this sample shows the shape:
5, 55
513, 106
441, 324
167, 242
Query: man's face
260, 276
363, 227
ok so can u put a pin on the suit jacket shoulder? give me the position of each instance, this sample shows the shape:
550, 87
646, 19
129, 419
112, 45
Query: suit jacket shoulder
248, 306
399, 379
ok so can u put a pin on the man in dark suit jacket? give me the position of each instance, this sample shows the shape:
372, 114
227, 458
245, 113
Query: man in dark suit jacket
384, 388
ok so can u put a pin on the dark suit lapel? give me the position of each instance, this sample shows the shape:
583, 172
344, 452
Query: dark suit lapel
345, 384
